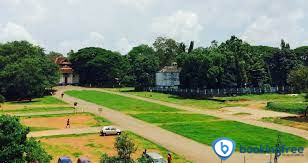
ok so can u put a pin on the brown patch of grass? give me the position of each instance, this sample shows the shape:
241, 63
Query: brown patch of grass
91, 146
76, 121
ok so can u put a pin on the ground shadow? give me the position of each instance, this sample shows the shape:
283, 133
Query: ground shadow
296, 118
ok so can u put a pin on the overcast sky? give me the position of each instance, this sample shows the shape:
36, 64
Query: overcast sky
62, 25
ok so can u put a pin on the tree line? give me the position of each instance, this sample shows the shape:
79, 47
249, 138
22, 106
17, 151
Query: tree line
230, 64
26, 70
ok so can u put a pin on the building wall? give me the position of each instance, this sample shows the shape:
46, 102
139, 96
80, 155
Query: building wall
75, 78
167, 79
69, 78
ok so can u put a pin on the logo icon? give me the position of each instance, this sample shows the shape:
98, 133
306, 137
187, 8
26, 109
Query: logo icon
223, 147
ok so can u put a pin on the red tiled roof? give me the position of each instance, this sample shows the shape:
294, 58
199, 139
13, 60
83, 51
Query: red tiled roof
66, 70
170, 69
62, 60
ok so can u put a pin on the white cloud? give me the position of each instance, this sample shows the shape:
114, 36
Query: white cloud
12, 32
140, 4
270, 29
94, 39
183, 26
28, 10
123, 45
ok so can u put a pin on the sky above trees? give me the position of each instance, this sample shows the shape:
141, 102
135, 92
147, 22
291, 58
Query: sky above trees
61, 25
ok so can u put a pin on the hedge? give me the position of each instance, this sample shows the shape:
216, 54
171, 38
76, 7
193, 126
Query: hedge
295, 108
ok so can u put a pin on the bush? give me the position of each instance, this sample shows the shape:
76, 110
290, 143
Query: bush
295, 108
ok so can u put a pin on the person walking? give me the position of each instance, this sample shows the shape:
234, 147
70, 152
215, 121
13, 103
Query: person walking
169, 157
68, 124
62, 94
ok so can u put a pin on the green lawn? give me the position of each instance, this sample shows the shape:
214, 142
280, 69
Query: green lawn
119, 103
173, 117
290, 107
40, 101
201, 128
38, 109
199, 103
33, 129
265, 97
206, 129
242, 134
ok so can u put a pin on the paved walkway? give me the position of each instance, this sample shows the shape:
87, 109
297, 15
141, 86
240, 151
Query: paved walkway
228, 116
190, 149
64, 132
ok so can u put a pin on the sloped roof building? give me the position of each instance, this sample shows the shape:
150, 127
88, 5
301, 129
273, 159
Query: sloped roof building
168, 77
67, 74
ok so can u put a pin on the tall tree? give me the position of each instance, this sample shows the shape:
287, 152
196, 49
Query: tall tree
144, 64
298, 79
167, 49
302, 54
281, 63
25, 71
53, 55
15, 147
97, 66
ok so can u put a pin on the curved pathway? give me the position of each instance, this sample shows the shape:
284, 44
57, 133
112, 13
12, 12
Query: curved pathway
190, 149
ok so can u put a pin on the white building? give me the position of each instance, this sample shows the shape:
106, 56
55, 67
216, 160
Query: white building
168, 77
67, 75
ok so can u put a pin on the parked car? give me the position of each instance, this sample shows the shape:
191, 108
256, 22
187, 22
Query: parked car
109, 130
154, 157
83, 160
64, 159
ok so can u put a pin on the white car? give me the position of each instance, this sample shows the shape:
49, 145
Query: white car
109, 130
154, 157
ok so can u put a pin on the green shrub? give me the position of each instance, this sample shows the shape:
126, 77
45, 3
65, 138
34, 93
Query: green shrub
296, 108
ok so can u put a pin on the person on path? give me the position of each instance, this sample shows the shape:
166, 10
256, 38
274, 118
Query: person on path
68, 124
169, 157
62, 94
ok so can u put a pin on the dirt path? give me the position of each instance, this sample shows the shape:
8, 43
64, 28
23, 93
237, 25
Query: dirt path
226, 115
65, 132
190, 149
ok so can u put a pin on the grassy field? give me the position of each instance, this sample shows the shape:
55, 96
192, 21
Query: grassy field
290, 107
40, 101
206, 129
199, 103
93, 146
201, 128
297, 122
58, 121
36, 109
265, 97
120, 103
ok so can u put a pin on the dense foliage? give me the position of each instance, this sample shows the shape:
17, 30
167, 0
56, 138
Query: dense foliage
290, 107
25, 71
125, 147
98, 67
298, 78
235, 63
14, 144
230, 64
